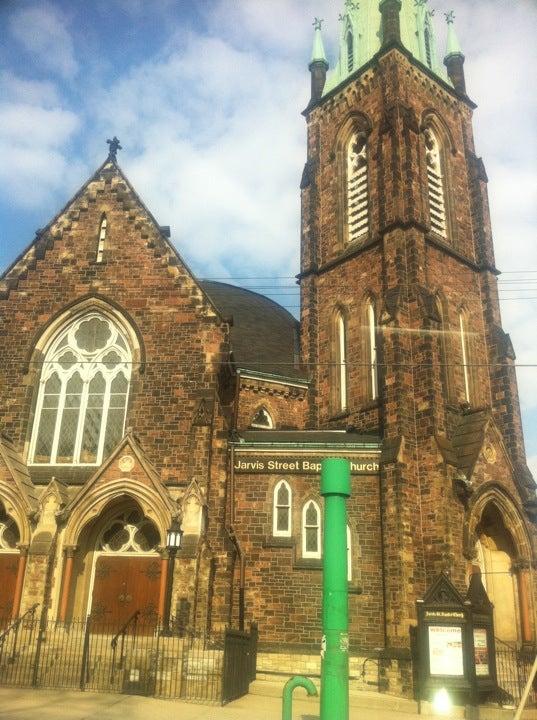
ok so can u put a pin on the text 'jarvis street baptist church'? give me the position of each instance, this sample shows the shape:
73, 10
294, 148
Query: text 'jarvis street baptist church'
305, 466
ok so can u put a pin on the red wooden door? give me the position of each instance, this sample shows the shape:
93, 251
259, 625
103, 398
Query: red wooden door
123, 585
9, 565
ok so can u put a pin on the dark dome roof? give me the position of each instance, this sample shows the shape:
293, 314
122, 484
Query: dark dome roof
264, 336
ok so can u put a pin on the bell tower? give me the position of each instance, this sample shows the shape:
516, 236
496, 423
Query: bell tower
401, 325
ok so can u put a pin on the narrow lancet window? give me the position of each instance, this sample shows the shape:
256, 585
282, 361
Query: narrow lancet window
281, 510
311, 530
102, 239
435, 181
372, 350
341, 361
357, 187
465, 354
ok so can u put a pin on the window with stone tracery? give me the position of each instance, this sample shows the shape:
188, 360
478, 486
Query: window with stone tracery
262, 419
435, 184
357, 187
82, 398
129, 532
9, 532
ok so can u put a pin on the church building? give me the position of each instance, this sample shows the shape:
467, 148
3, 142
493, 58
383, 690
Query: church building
137, 401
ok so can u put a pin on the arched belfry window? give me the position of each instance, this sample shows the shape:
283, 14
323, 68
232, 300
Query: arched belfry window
436, 184
311, 530
357, 187
102, 239
281, 510
262, 419
82, 398
372, 354
341, 361
428, 51
350, 51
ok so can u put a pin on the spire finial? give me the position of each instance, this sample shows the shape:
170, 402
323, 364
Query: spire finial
114, 146
454, 60
450, 17
350, 5
318, 23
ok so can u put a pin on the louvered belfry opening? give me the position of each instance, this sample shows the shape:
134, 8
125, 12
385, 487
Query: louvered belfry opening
357, 187
435, 182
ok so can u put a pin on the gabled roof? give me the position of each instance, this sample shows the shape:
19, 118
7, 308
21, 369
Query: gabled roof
45, 237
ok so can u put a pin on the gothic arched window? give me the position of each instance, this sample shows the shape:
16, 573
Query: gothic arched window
281, 510
311, 530
341, 361
102, 238
9, 532
436, 184
357, 187
371, 344
82, 398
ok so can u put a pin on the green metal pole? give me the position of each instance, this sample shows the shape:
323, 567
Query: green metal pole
335, 488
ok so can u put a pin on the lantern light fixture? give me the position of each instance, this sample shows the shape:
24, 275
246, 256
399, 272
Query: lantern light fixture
174, 536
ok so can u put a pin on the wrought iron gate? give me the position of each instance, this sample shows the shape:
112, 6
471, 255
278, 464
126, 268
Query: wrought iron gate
140, 658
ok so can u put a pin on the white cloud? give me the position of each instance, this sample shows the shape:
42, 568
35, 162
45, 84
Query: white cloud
33, 150
32, 92
42, 31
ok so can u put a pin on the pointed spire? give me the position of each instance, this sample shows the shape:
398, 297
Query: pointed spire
454, 60
453, 46
318, 54
318, 65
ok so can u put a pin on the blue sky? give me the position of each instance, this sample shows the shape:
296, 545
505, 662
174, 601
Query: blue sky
206, 96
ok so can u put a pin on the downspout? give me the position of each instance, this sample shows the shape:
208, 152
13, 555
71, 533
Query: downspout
232, 536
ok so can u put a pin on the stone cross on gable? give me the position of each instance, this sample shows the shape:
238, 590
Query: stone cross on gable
114, 147
318, 23
450, 17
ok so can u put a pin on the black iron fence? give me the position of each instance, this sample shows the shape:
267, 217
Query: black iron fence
137, 658
513, 667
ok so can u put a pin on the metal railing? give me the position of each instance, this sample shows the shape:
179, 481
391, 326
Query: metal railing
139, 659
513, 666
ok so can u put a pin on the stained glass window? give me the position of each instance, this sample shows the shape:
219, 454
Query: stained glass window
281, 524
80, 413
311, 530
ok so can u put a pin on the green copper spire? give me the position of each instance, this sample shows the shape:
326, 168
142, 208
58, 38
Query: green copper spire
360, 37
318, 54
453, 46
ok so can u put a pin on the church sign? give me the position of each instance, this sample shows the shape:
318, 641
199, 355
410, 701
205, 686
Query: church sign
300, 465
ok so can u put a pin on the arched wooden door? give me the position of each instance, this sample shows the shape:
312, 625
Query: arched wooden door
9, 565
126, 575
124, 585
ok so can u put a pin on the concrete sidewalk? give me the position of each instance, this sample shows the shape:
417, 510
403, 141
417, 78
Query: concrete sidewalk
17, 704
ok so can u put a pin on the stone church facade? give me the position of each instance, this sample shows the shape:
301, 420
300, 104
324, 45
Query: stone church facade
133, 396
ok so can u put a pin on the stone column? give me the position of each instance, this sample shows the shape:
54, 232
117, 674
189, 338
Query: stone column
66, 585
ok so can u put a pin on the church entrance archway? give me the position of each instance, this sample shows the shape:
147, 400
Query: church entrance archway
497, 558
9, 565
126, 571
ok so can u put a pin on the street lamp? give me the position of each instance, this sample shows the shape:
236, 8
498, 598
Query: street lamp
174, 538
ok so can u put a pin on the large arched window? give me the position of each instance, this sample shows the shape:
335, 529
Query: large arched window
341, 362
129, 532
82, 399
311, 530
281, 510
436, 184
357, 187
371, 331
